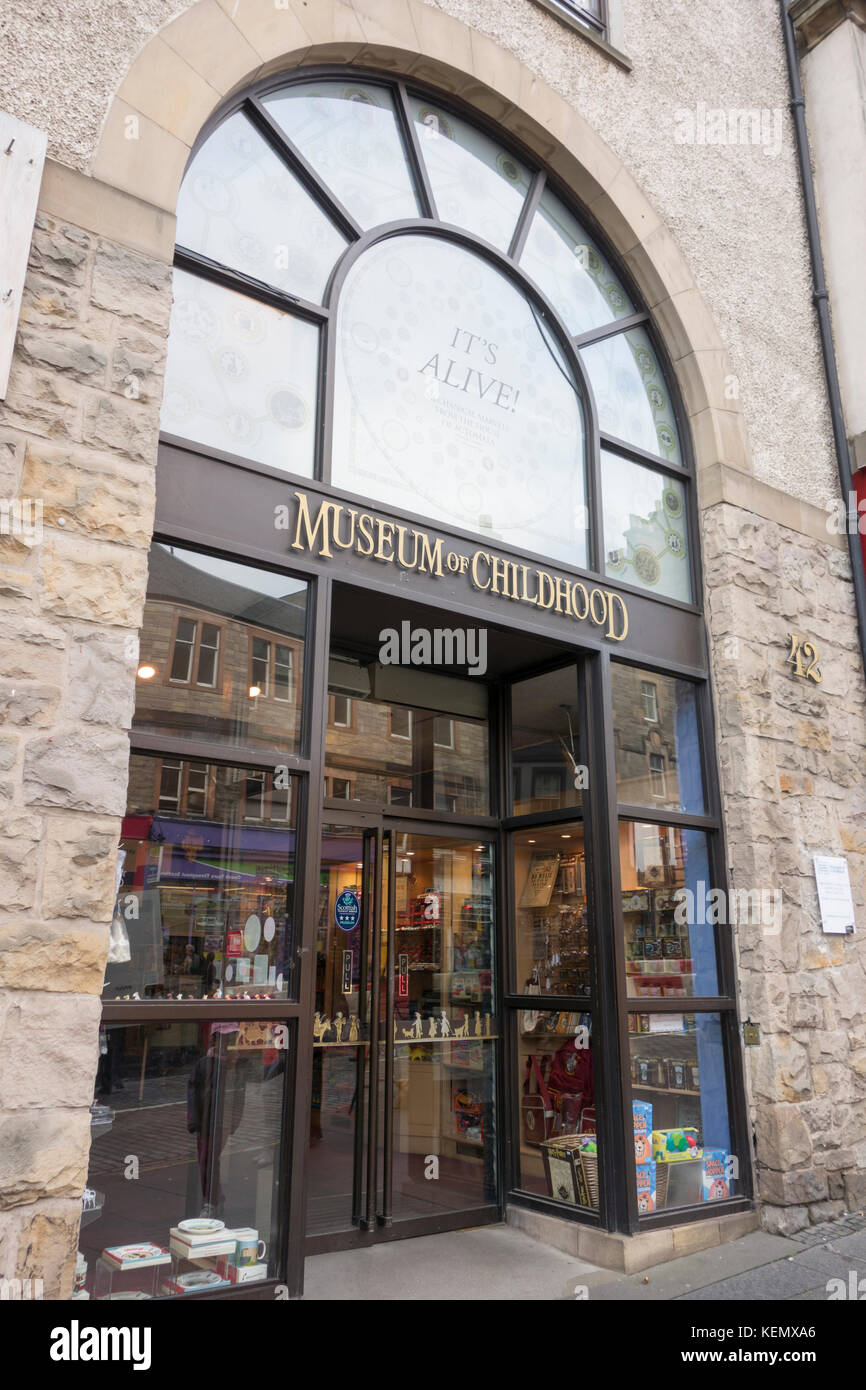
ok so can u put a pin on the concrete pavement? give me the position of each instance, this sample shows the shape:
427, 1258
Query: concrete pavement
499, 1263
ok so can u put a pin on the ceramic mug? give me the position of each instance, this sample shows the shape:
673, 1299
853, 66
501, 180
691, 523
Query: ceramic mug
249, 1250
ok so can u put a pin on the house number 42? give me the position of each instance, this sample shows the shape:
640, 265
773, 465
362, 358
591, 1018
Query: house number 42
803, 656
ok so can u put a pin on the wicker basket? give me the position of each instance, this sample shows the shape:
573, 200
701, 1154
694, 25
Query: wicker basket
569, 1144
662, 1172
589, 1164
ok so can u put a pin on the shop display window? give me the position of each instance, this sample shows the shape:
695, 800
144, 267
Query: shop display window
552, 912
668, 911
221, 654
182, 1188
658, 758
680, 1108
205, 884
556, 1090
547, 770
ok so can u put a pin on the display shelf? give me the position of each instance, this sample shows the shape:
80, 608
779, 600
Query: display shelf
663, 1090
547, 1033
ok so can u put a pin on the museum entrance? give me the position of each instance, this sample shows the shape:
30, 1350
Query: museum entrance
404, 1124
402, 1116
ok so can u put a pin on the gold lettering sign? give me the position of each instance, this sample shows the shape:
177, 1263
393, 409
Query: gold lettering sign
336, 527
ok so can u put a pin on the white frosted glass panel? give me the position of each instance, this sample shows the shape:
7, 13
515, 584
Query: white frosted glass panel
240, 376
566, 264
645, 532
451, 402
348, 132
476, 183
631, 393
241, 206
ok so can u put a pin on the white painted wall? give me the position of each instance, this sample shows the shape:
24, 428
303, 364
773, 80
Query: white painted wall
834, 83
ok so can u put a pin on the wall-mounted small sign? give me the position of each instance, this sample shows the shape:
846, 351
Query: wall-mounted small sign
803, 656
22, 155
834, 895
751, 1034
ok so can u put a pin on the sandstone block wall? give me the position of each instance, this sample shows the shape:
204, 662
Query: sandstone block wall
78, 430
791, 762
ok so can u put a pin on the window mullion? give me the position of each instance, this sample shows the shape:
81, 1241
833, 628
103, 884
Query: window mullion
202, 266
527, 212
406, 125
291, 155
609, 330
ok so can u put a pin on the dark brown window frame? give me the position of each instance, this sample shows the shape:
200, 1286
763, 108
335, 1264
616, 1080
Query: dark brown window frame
196, 615
268, 790
185, 766
274, 640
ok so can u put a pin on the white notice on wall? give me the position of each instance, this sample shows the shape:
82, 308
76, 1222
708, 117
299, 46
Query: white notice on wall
834, 894
22, 155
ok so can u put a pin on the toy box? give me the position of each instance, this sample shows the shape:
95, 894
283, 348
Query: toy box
241, 1274
643, 1128
646, 1187
674, 1145
715, 1183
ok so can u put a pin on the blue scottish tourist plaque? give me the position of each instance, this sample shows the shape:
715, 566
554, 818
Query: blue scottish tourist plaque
347, 910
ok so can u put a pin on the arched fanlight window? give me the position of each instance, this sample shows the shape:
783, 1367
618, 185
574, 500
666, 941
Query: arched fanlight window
372, 290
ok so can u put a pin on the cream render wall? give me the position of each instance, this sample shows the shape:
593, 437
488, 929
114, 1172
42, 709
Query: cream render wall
834, 81
733, 210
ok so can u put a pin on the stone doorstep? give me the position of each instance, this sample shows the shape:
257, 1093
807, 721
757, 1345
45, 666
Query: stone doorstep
631, 1254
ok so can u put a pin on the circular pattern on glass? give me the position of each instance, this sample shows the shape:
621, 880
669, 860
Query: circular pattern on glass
252, 932
358, 94
288, 408
675, 544
673, 502
508, 168
646, 566
667, 439
434, 124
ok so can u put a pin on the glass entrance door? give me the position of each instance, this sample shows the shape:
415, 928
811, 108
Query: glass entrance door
403, 1113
